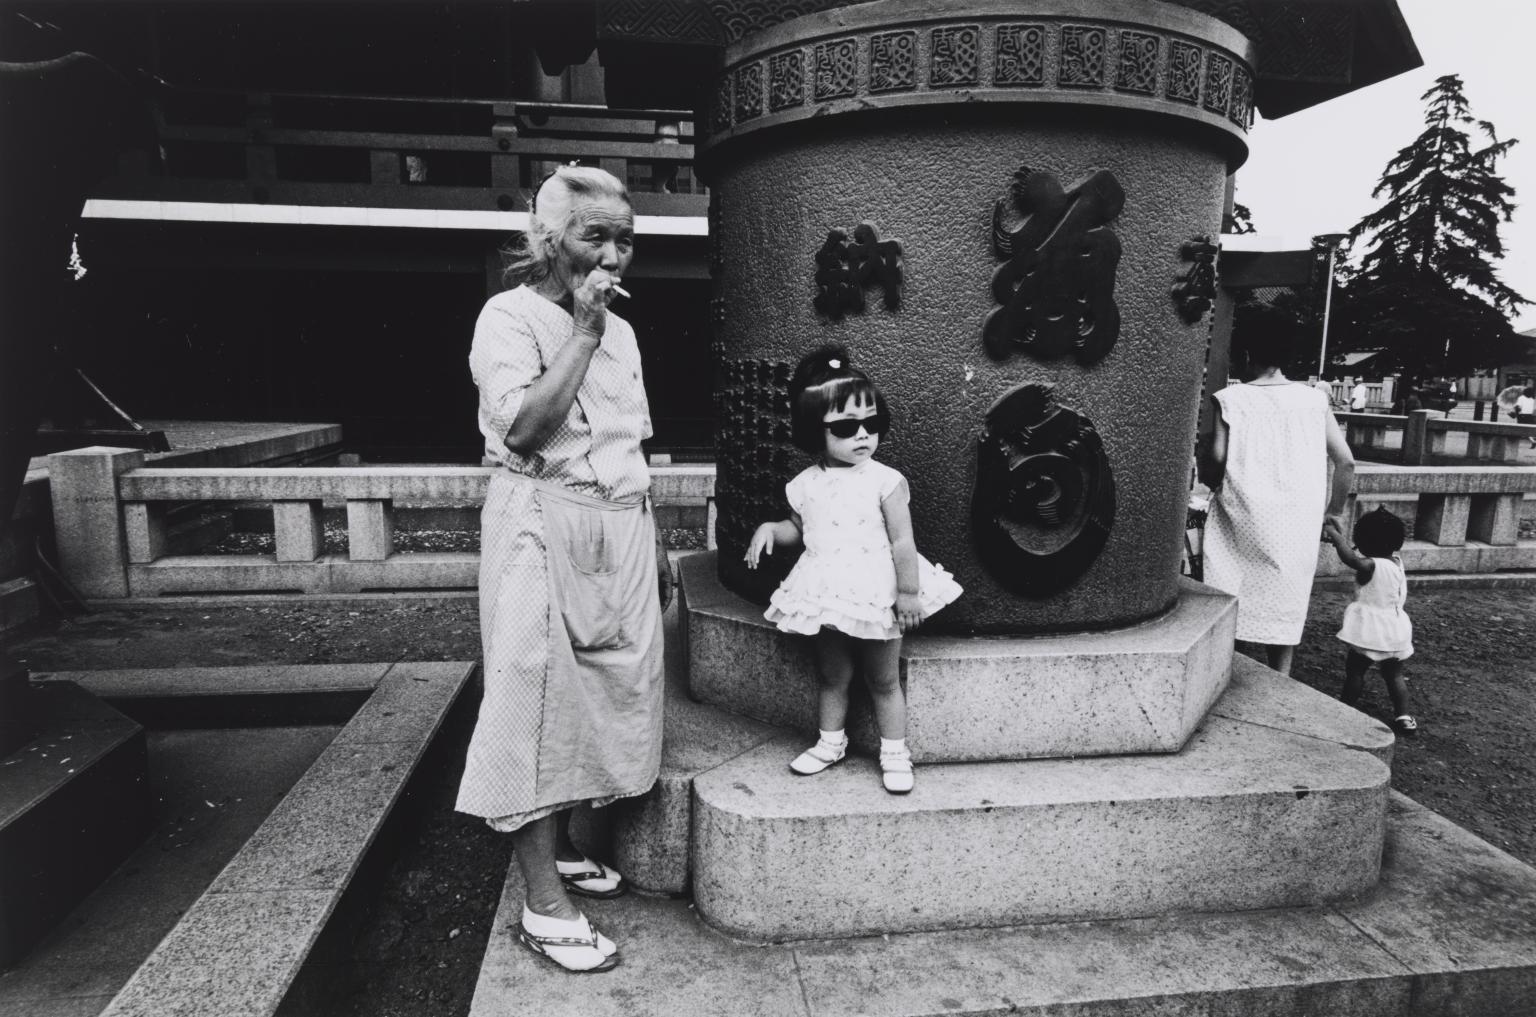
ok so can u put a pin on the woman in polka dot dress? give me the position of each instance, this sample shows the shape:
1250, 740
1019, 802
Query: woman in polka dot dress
1268, 463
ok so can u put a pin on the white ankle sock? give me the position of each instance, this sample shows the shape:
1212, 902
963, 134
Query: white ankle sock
832, 737
893, 745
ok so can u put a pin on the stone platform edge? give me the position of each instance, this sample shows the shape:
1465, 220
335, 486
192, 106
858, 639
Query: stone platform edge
241, 945
979, 698
1450, 931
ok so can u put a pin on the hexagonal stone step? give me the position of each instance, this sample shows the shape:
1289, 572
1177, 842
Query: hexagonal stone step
1137, 689
1247, 816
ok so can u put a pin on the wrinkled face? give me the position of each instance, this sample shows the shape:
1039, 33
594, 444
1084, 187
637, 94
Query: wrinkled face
861, 446
601, 234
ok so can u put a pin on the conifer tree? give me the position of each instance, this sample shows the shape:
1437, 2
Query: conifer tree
1427, 288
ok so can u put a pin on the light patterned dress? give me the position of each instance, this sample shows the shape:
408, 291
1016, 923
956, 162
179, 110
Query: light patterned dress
569, 614
1375, 623
846, 577
1266, 521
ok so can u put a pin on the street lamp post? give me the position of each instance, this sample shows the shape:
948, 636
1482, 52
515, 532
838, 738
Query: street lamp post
1332, 240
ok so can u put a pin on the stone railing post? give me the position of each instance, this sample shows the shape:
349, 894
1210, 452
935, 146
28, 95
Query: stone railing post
1416, 437
87, 520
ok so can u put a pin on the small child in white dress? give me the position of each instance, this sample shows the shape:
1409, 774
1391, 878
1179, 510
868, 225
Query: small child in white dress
860, 582
1376, 628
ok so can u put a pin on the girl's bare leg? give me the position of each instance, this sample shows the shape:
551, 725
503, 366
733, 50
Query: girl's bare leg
1355, 666
880, 660
834, 669
535, 847
1392, 674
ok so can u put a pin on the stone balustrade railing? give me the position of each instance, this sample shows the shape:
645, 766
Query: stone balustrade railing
1459, 518
1426, 433
110, 519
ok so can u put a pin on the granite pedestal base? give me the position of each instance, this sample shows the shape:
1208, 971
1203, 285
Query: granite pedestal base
1132, 690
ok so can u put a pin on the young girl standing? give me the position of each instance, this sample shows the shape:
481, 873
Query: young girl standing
1376, 628
860, 582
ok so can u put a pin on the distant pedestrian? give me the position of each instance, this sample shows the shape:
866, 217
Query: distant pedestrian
1268, 466
1357, 397
1376, 628
1525, 408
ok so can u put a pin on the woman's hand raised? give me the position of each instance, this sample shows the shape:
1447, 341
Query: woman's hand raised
590, 301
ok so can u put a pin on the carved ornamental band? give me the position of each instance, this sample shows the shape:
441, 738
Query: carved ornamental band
1019, 60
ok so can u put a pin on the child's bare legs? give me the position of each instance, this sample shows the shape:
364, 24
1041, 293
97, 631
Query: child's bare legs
1355, 666
881, 663
1392, 674
834, 671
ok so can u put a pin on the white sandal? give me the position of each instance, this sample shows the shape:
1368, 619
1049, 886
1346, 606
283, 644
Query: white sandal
819, 756
896, 771
591, 879
576, 945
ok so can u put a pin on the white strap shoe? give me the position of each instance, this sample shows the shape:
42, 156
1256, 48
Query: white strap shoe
896, 771
819, 756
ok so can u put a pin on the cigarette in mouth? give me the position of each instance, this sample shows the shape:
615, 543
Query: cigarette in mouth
621, 291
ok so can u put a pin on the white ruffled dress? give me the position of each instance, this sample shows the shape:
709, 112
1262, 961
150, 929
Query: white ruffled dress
1375, 623
846, 577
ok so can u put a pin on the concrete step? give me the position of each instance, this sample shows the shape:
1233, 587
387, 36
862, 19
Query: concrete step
983, 698
649, 837
1450, 931
1248, 815
73, 804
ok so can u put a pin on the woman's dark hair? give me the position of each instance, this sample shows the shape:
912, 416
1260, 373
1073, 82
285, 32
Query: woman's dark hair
1529, 390
1379, 533
1266, 335
823, 382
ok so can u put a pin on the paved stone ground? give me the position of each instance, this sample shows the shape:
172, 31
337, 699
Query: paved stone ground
1473, 681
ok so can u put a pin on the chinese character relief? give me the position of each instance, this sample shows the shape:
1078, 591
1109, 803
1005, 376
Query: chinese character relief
1057, 284
1195, 290
844, 268
1044, 500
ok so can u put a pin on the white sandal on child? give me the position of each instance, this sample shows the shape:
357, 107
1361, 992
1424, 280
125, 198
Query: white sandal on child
574, 945
819, 756
896, 770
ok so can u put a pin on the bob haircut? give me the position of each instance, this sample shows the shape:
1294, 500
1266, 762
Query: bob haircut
1380, 533
529, 258
1266, 335
825, 382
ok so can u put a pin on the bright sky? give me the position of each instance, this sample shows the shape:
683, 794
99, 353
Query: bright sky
1313, 172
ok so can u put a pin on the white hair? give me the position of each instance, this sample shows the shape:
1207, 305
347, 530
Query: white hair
529, 257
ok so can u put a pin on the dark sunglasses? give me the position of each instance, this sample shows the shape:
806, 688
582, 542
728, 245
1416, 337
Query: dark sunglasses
877, 424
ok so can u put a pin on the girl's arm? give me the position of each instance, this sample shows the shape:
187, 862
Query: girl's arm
1213, 466
1363, 566
898, 527
1343, 473
785, 532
